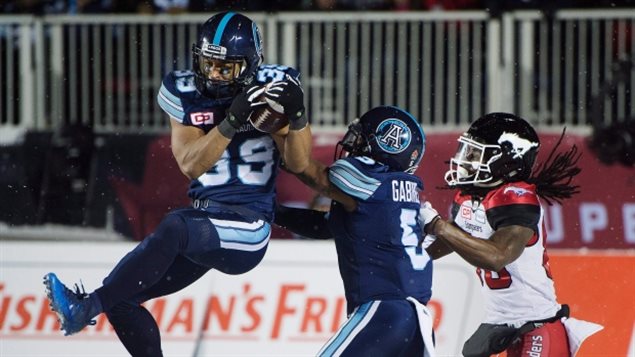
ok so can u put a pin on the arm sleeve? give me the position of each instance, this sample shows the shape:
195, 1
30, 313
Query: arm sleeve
514, 205
294, 73
348, 178
169, 100
520, 214
306, 222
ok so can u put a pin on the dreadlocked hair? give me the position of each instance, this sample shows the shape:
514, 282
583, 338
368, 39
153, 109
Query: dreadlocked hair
553, 176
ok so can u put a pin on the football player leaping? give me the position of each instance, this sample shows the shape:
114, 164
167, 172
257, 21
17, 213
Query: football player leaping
374, 220
498, 226
233, 169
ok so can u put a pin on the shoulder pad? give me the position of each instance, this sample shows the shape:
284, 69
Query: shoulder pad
346, 174
274, 72
513, 193
174, 86
514, 203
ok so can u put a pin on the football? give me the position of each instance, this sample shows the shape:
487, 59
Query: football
266, 118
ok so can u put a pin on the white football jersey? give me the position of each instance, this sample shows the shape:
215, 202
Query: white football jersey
523, 290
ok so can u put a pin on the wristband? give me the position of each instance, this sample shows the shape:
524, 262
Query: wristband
431, 225
299, 123
226, 129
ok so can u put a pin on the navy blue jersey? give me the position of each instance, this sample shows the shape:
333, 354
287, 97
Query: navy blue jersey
245, 174
378, 244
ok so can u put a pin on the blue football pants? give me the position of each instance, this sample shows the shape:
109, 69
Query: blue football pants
378, 328
186, 244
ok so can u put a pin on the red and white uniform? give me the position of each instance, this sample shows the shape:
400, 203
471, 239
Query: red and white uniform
523, 290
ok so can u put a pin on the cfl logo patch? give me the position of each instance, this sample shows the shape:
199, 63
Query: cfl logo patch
202, 118
466, 212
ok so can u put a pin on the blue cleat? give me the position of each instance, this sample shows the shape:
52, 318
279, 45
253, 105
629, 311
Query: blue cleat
72, 307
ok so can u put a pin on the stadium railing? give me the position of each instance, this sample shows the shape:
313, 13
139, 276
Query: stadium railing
445, 67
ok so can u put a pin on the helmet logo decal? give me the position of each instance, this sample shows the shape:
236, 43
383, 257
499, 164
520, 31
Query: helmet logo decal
213, 51
393, 135
519, 145
414, 155
519, 191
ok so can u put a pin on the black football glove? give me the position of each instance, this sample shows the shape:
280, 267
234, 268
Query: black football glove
240, 109
288, 97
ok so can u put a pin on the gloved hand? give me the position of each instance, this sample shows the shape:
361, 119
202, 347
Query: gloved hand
428, 216
243, 104
288, 97
240, 109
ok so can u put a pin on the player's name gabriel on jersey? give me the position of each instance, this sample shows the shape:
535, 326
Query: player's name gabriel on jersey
404, 191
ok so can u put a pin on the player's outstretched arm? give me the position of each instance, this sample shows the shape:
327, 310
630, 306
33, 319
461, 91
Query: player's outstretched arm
438, 249
297, 149
288, 97
502, 248
316, 176
305, 222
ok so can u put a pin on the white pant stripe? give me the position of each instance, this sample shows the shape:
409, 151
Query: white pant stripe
238, 225
245, 247
357, 329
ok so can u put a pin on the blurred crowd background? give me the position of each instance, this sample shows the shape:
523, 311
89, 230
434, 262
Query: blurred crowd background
45, 7
82, 137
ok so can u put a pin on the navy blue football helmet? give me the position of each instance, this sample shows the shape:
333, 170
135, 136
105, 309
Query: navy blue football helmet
226, 55
497, 148
388, 135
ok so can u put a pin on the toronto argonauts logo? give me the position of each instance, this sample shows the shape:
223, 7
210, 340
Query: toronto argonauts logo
393, 135
519, 145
